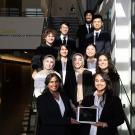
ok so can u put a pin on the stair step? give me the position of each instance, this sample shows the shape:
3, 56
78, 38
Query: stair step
73, 22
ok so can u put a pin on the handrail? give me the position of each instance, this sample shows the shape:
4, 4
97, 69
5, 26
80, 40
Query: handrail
128, 125
123, 88
131, 107
49, 8
80, 11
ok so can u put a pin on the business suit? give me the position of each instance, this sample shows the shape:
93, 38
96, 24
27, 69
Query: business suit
70, 42
112, 113
51, 121
81, 34
87, 86
103, 41
69, 71
40, 52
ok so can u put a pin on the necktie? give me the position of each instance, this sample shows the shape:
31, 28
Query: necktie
64, 40
95, 37
89, 29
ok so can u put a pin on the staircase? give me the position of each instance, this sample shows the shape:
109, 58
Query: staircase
29, 121
54, 22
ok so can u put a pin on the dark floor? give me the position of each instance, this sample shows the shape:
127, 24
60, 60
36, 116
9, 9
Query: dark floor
12, 112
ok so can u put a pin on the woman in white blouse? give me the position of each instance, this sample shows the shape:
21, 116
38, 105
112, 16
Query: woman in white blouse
110, 111
54, 109
39, 79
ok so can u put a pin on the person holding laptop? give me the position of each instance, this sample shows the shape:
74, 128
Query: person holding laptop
110, 111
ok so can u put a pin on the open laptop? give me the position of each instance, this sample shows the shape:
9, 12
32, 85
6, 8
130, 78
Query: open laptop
87, 114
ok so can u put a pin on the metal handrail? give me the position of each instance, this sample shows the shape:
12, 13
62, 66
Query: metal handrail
80, 10
131, 107
124, 89
128, 125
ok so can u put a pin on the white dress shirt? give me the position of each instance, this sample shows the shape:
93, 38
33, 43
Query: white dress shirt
61, 105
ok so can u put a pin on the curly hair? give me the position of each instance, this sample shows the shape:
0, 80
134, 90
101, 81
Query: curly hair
47, 32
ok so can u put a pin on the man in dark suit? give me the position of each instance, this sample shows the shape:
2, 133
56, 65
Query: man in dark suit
64, 37
84, 29
99, 37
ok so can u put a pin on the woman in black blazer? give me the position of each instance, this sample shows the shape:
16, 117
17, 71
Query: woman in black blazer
110, 111
64, 66
81, 80
53, 108
104, 64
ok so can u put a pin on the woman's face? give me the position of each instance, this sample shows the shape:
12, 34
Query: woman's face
78, 61
100, 83
103, 62
53, 84
50, 38
90, 51
48, 63
63, 51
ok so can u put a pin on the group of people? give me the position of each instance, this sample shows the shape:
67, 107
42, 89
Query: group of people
70, 73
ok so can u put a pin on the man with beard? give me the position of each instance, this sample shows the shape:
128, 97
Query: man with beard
84, 29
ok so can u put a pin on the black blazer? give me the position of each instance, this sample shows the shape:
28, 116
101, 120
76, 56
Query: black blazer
70, 42
87, 86
115, 79
69, 72
81, 34
103, 42
50, 118
112, 113
40, 52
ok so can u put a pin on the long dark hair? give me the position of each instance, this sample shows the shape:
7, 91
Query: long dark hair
49, 77
67, 47
90, 44
107, 80
111, 69
108, 88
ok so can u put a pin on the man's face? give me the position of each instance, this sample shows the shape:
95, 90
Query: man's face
97, 23
88, 17
64, 29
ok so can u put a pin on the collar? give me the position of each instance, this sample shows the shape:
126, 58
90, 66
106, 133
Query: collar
62, 36
87, 25
97, 32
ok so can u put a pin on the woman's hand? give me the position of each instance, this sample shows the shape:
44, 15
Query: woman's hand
101, 124
74, 121
34, 74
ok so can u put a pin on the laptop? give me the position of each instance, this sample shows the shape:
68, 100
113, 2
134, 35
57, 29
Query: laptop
87, 115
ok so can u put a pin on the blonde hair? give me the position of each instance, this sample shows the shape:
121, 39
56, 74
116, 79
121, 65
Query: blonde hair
49, 56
